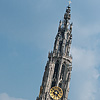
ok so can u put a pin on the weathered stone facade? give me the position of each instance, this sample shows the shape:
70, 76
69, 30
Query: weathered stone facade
59, 65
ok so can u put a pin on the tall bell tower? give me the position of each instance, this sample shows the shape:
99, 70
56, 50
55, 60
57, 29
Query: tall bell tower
57, 75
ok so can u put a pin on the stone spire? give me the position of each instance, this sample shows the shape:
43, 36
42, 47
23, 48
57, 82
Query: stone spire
56, 79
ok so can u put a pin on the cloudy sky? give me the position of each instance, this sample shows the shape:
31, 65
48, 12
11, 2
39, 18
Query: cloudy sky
27, 32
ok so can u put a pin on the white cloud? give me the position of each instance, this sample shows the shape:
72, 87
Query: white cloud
87, 29
84, 83
5, 96
83, 57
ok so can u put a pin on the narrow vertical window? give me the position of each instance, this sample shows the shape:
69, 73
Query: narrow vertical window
56, 70
62, 71
60, 84
53, 84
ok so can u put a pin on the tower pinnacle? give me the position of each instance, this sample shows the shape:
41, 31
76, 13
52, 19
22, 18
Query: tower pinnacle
64, 36
69, 2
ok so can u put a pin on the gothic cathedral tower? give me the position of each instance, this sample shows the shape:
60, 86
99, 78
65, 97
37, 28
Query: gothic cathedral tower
56, 79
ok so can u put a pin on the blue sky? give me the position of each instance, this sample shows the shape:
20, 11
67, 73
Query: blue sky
27, 32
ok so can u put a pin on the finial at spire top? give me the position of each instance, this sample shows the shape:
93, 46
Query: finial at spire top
69, 2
